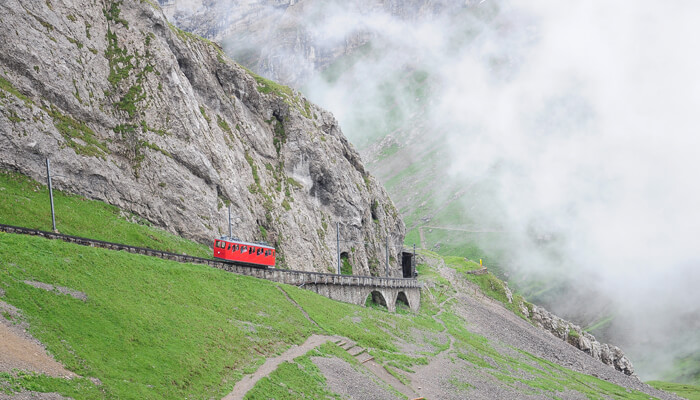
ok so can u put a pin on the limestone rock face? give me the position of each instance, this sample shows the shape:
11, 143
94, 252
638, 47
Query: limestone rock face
584, 341
142, 115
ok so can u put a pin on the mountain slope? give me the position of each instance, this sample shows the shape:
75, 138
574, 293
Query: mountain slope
136, 112
150, 328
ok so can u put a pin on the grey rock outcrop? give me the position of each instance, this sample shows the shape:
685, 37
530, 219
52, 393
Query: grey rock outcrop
584, 341
135, 112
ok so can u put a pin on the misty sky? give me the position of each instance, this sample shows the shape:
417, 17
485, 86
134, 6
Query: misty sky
585, 113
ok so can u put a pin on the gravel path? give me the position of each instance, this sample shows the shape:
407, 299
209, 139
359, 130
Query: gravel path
345, 380
244, 385
33, 396
19, 350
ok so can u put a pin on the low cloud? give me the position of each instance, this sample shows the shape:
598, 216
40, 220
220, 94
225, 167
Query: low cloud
582, 115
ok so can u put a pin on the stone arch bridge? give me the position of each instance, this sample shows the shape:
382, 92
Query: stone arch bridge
346, 288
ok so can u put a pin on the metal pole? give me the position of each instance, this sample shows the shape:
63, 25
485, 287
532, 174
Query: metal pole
229, 222
386, 248
413, 262
337, 243
48, 177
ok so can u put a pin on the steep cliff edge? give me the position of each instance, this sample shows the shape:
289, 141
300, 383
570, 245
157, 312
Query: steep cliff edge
138, 113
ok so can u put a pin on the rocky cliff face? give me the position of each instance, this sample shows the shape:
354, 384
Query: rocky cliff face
138, 113
284, 39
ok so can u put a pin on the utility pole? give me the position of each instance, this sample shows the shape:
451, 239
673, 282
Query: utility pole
229, 222
413, 262
337, 243
386, 248
48, 177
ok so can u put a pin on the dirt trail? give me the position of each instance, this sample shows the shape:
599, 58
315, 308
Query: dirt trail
19, 350
247, 383
380, 371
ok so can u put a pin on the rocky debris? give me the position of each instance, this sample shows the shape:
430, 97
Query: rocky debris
584, 341
135, 112
59, 289
28, 395
509, 294
481, 271
524, 310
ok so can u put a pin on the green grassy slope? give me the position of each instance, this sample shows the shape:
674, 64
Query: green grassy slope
25, 202
150, 328
690, 392
157, 329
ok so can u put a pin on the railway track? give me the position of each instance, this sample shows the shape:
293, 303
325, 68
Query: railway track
293, 277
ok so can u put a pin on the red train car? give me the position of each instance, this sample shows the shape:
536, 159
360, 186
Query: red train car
242, 252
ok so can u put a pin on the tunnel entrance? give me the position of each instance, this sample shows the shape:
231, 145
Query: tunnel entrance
407, 264
375, 299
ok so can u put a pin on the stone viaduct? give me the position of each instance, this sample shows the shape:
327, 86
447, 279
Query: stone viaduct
347, 288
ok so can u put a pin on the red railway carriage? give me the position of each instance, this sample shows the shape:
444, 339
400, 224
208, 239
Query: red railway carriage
243, 252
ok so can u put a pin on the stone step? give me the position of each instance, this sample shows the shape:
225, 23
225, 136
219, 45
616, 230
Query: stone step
356, 350
364, 357
348, 345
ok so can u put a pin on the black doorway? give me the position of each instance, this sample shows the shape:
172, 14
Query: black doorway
407, 264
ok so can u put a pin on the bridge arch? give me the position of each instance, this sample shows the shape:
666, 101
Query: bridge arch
376, 297
401, 298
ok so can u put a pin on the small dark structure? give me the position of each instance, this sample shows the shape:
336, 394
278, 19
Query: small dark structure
408, 264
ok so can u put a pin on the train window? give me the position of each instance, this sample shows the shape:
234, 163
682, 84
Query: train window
243, 249
229, 247
259, 251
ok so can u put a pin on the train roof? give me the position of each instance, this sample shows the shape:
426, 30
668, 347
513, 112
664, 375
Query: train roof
237, 241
